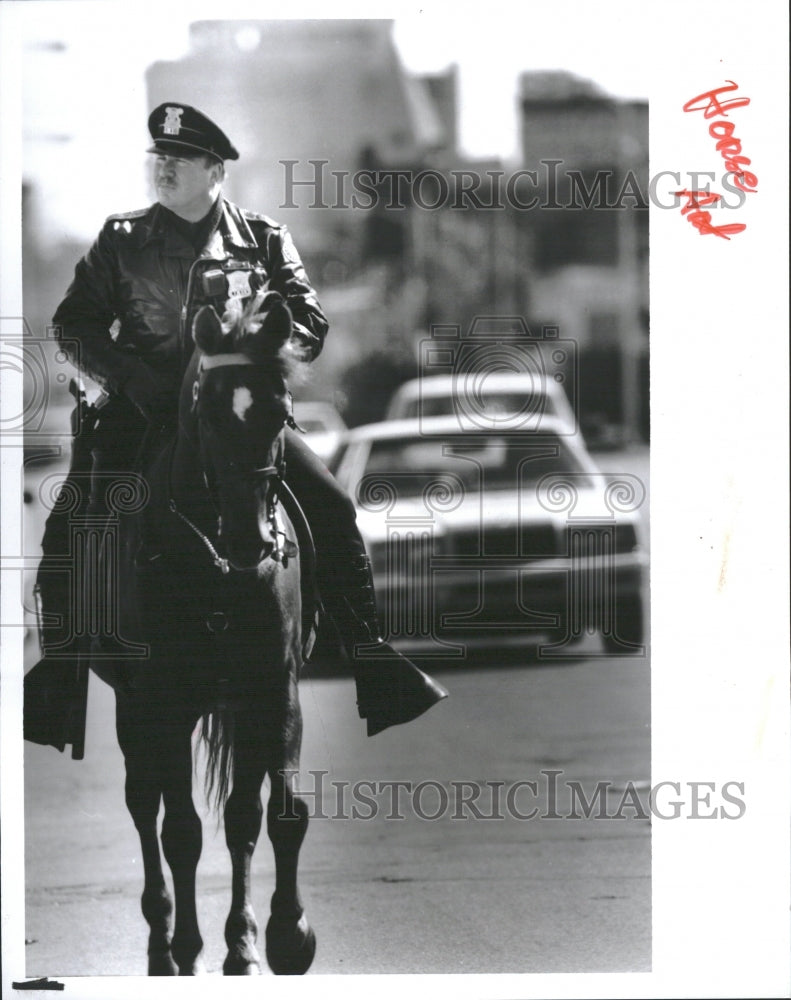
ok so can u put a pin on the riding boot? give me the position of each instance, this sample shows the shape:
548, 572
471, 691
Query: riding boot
390, 689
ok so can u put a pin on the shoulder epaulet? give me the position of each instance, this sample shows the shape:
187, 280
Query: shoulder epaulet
125, 221
260, 217
137, 214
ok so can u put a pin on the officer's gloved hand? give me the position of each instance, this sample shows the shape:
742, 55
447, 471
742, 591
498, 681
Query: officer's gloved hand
153, 397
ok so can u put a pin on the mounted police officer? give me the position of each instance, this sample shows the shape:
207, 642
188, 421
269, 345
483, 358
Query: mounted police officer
125, 321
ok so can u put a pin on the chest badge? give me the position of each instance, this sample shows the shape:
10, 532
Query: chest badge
239, 284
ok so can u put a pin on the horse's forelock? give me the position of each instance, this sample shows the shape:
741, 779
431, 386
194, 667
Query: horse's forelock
267, 350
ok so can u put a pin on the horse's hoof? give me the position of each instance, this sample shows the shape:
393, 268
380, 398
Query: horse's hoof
162, 964
238, 965
241, 969
194, 968
290, 945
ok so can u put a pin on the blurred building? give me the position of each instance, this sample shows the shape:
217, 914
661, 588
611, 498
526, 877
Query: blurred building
589, 242
310, 104
315, 107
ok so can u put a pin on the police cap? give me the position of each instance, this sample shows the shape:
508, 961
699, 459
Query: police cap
179, 130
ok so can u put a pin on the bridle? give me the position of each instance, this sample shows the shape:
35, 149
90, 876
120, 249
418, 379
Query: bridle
283, 547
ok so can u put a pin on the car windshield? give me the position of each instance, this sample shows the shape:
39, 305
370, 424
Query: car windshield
493, 462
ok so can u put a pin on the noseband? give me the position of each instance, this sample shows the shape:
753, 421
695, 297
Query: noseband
283, 547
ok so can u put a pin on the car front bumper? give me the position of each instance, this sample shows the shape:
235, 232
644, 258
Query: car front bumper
486, 602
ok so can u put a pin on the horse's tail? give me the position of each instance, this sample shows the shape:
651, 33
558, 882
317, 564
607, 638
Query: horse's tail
217, 736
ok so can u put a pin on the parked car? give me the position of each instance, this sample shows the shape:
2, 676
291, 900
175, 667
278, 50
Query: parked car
323, 427
485, 401
480, 538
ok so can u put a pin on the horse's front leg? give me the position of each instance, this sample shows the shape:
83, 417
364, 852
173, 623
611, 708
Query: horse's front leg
143, 794
156, 903
182, 841
290, 941
243, 817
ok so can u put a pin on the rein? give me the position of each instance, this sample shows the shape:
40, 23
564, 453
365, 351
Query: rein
219, 561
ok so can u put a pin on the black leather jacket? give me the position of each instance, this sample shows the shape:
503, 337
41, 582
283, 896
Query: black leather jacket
134, 292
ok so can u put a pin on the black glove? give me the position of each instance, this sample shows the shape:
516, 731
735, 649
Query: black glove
152, 396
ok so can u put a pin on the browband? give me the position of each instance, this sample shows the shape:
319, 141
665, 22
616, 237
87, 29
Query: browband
208, 361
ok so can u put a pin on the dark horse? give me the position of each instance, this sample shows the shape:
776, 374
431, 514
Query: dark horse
214, 584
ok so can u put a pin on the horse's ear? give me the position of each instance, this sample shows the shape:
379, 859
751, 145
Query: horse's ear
207, 330
279, 323
266, 330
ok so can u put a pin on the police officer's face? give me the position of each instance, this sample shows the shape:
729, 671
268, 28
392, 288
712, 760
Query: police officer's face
186, 185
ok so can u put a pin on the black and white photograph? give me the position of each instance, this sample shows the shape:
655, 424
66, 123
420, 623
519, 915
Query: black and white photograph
394, 406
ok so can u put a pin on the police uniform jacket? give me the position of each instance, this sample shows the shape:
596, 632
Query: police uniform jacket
136, 290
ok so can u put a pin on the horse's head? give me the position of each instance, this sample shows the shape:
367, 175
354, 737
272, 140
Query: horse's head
240, 404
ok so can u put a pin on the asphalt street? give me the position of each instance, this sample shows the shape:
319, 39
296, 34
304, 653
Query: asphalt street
469, 841
421, 881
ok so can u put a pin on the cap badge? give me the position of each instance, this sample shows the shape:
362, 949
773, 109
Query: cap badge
172, 124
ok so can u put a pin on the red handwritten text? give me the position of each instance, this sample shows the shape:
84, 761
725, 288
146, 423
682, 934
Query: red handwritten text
701, 220
728, 146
